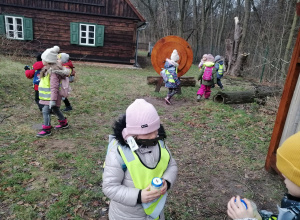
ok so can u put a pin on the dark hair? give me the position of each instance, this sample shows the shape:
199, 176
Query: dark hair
39, 57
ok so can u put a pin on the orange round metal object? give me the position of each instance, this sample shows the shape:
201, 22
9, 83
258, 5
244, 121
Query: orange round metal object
164, 48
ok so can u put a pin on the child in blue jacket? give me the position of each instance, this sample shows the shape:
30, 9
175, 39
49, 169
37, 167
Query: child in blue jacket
219, 65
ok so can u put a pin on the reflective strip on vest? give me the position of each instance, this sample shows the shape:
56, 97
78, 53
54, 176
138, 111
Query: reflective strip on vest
170, 77
142, 175
44, 88
220, 70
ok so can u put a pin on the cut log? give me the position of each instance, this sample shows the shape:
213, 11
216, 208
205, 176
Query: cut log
185, 81
237, 97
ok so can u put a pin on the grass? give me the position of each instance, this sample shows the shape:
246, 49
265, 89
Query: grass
60, 177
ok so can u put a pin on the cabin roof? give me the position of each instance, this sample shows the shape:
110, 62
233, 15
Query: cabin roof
107, 8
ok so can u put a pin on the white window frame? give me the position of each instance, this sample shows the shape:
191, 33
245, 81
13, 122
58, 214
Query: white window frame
87, 32
14, 27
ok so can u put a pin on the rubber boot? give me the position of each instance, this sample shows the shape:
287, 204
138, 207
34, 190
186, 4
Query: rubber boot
198, 98
62, 124
46, 131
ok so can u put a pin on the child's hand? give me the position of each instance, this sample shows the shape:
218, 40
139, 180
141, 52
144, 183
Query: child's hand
149, 196
163, 190
237, 210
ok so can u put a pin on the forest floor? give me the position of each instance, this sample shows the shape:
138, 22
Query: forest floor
220, 149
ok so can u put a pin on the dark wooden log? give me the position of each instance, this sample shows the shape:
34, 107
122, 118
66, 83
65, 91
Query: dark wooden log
237, 97
185, 81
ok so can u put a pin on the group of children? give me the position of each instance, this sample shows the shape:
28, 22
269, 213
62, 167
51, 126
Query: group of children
211, 71
137, 151
51, 69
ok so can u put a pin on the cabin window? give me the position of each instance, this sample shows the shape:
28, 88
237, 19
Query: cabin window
16, 27
86, 34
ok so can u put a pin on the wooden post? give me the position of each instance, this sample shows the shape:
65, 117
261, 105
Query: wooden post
287, 95
159, 84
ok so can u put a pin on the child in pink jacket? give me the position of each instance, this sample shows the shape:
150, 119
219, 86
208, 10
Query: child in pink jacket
50, 76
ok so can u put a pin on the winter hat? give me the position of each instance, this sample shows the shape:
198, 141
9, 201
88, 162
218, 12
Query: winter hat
210, 58
288, 158
141, 118
218, 57
64, 57
50, 55
175, 56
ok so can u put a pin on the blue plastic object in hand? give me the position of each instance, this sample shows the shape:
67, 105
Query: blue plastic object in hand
244, 203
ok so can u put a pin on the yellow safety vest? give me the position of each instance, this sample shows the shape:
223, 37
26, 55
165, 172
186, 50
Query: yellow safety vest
142, 175
44, 88
220, 70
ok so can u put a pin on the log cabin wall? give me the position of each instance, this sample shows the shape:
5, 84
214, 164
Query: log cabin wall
51, 26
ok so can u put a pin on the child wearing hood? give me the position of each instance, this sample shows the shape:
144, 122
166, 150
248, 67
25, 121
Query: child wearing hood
207, 77
50, 98
63, 59
136, 154
173, 82
220, 70
34, 74
288, 163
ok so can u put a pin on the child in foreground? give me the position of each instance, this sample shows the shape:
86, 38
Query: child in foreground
288, 163
136, 154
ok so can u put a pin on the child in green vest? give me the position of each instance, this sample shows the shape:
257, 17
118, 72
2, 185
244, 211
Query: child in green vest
49, 95
219, 65
136, 154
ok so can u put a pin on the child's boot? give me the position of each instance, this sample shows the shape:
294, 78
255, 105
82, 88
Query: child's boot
62, 124
198, 98
46, 131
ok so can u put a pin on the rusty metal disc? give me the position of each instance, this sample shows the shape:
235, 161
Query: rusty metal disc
164, 48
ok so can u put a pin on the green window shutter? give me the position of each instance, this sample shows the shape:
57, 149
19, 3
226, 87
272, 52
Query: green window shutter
2, 25
99, 35
28, 29
74, 33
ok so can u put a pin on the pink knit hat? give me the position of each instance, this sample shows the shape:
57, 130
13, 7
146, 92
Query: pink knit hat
141, 118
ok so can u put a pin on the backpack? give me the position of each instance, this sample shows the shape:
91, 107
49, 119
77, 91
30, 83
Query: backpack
163, 73
207, 75
64, 87
36, 77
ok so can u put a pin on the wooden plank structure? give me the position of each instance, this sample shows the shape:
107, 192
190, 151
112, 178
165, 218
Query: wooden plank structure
52, 19
164, 48
285, 103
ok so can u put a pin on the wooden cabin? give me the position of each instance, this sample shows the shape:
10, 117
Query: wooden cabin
88, 30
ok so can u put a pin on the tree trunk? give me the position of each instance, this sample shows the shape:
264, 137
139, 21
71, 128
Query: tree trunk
237, 69
224, 3
288, 46
237, 97
245, 26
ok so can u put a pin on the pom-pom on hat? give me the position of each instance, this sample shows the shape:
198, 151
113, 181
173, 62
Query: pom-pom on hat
64, 57
288, 158
175, 56
141, 118
50, 55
